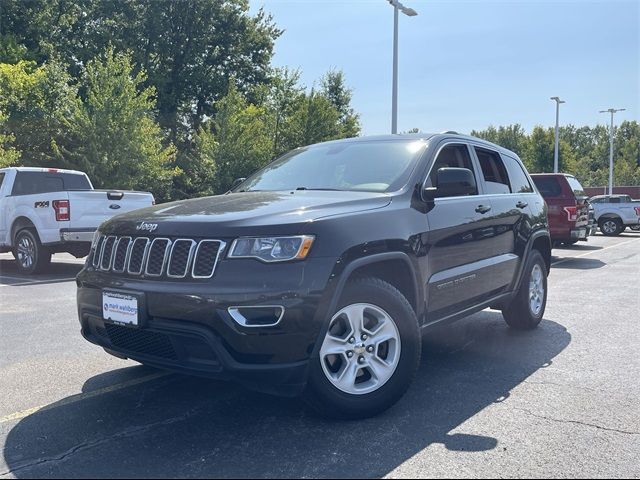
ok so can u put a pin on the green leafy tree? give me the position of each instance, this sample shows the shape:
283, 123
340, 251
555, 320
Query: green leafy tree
119, 143
333, 87
37, 101
8, 155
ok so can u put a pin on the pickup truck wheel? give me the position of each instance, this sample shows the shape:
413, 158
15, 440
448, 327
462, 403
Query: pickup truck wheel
527, 308
611, 226
369, 355
635, 228
31, 256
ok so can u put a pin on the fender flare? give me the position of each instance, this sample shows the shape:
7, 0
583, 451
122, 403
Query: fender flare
342, 280
536, 235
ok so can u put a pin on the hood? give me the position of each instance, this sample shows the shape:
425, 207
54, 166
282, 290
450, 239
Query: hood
227, 214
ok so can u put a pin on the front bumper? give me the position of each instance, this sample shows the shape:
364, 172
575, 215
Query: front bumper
186, 326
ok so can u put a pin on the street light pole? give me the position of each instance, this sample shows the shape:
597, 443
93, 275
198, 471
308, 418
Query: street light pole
612, 111
397, 8
555, 151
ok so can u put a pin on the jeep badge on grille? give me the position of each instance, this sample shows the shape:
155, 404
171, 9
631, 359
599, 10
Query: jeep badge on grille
149, 227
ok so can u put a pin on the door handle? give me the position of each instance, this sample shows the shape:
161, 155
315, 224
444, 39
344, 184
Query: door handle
483, 208
522, 204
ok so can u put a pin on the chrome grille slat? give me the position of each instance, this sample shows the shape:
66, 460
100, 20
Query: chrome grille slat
179, 258
106, 255
206, 259
121, 254
157, 257
137, 256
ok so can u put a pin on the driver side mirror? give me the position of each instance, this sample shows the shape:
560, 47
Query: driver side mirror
452, 182
237, 182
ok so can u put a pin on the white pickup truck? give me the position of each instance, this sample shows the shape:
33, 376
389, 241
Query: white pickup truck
613, 213
45, 211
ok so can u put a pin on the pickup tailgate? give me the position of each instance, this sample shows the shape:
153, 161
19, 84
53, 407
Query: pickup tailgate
92, 207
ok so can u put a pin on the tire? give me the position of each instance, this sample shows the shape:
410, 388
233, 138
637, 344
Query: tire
526, 310
386, 313
611, 227
635, 228
31, 256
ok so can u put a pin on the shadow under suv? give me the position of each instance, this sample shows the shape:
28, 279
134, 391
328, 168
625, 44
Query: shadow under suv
318, 274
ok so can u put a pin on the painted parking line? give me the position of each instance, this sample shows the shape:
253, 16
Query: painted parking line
592, 252
38, 282
82, 396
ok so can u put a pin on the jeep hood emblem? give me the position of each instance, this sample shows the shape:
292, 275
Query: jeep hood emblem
149, 227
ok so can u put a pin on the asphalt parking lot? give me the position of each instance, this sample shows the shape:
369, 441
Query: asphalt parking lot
561, 401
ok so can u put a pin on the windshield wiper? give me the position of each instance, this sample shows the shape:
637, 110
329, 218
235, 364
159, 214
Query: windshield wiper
321, 189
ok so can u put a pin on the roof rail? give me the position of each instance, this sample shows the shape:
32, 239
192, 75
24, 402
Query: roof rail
451, 132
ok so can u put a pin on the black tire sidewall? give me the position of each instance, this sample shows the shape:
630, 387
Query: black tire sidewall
321, 392
519, 314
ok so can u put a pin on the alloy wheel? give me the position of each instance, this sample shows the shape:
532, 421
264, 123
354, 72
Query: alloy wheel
536, 290
361, 350
26, 252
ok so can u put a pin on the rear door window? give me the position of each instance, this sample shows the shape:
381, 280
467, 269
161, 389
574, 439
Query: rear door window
517, 176
495, 173
548, 186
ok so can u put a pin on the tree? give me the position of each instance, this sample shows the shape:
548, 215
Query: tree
37, 101
334, 88
119, 143
8, 155
189, 51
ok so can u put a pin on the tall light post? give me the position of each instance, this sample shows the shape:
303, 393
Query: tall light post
555, 151
611, 111
410, 12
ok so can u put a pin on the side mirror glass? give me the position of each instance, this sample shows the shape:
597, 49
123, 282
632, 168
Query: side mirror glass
452, 182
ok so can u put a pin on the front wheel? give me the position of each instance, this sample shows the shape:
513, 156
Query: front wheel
527, 308
31, 256
611, 226
369, 354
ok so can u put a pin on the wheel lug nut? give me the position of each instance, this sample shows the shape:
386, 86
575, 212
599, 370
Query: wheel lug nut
370, 349
352, 340
364, 336
349, 354
361, 359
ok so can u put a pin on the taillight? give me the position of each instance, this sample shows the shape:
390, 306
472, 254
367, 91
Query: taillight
572, 213
63, 210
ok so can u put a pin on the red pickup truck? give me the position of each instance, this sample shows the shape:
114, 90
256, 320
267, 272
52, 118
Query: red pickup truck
568, 205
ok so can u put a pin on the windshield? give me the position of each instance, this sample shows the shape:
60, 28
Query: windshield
374, 166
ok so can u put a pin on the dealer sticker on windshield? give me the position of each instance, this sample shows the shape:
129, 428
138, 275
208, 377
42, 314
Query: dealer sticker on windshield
120, 308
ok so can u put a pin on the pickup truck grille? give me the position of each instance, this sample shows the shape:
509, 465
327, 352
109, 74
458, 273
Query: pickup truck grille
157, 257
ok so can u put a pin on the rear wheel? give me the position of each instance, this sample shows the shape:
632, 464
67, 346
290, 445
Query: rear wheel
527, 308
369, 355
31, 256
611, 226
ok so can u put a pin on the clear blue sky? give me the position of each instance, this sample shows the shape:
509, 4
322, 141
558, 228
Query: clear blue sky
468, 64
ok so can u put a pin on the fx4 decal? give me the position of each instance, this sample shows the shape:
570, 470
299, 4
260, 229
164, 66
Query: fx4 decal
41, 204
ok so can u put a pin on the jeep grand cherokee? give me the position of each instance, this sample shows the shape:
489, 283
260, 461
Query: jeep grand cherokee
318, 274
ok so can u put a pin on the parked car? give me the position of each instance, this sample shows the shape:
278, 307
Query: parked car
614, 213
317, 274
568, 207
45, 211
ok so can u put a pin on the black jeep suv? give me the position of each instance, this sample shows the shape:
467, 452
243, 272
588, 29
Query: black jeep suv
318, 274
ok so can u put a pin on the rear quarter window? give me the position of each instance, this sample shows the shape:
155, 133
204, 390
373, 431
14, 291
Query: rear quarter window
548, 186
31, 183
517, 176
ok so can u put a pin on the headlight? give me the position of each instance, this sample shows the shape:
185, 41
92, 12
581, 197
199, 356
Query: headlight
272, 249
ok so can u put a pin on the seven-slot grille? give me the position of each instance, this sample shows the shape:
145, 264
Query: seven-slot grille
157, 257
